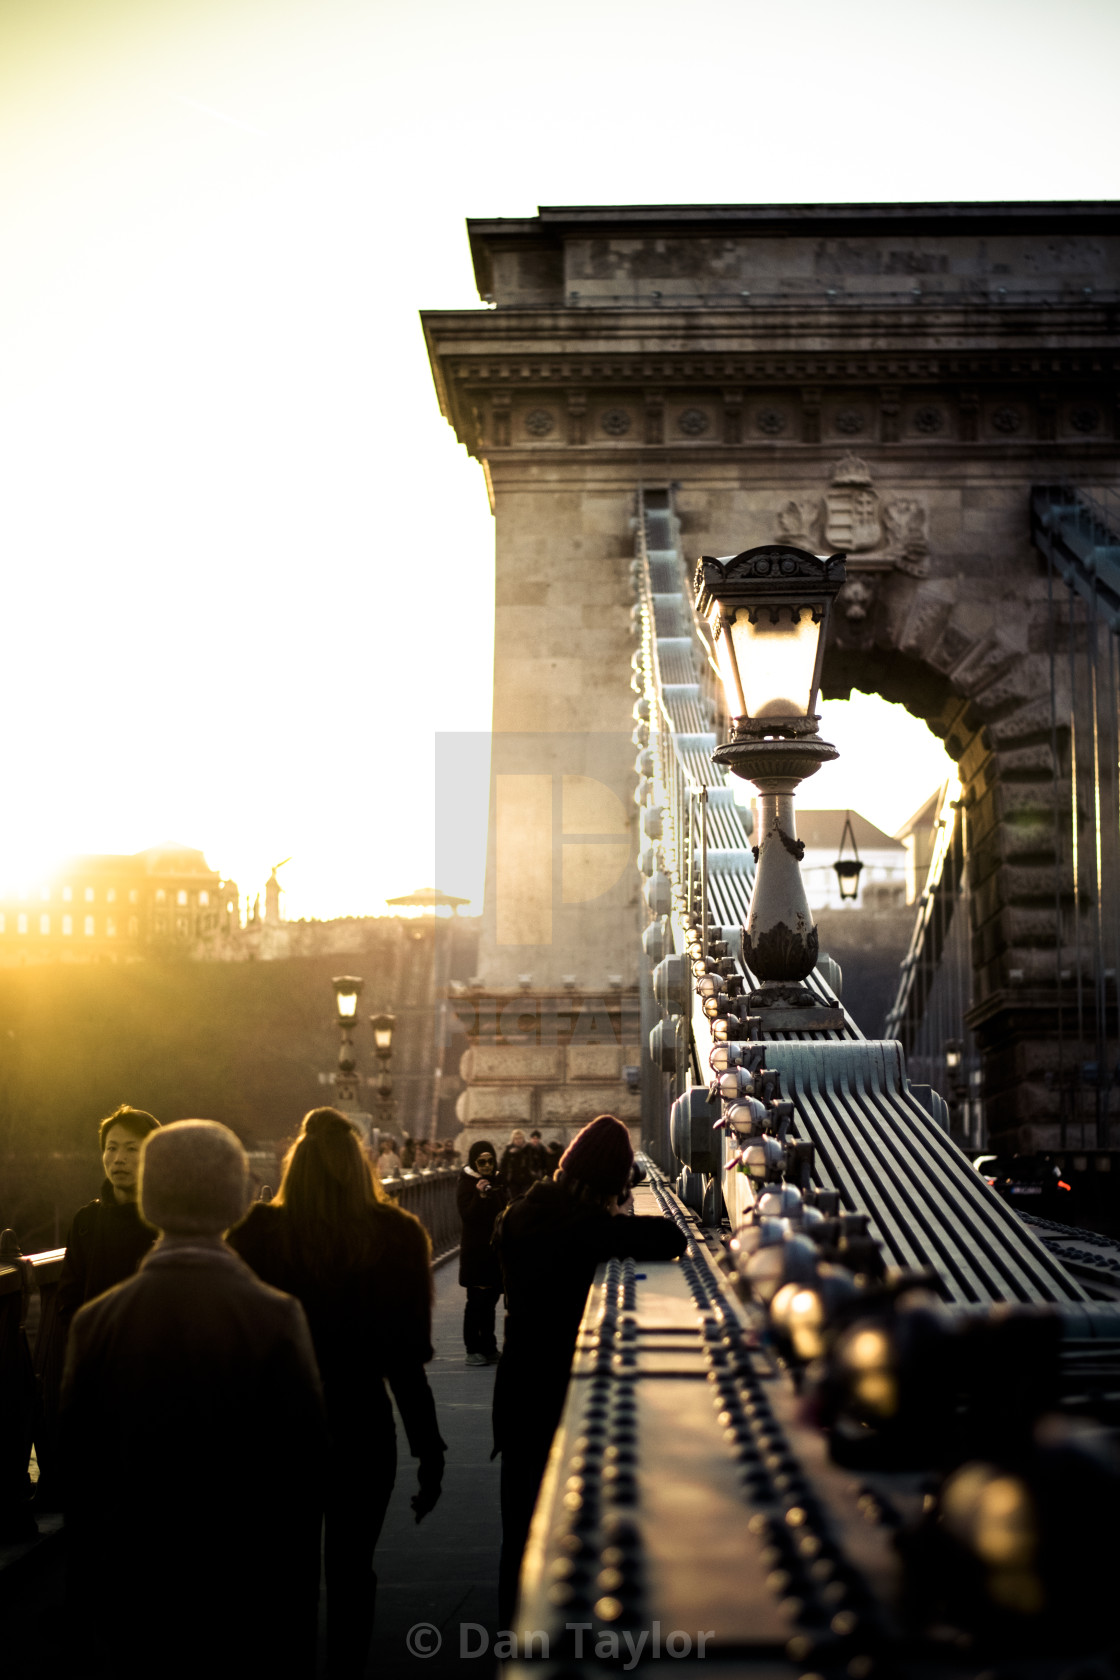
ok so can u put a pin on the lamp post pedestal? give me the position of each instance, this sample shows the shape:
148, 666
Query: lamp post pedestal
780, 941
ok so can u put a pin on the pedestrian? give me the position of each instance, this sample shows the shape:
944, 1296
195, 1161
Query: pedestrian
107, 1238
553, 1150
516, 1165
388, 1161
481, 1196
408, 1154
193, 1443
550, 1243
537, 1158
362, 1268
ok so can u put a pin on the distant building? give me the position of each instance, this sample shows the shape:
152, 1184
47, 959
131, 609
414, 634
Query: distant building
119, 908
882, 882
919, 835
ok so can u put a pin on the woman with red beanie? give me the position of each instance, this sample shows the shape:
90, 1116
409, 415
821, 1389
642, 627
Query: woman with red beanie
550, 1244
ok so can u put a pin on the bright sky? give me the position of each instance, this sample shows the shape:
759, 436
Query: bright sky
230, 505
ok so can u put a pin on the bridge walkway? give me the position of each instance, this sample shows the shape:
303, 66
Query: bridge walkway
443, 1571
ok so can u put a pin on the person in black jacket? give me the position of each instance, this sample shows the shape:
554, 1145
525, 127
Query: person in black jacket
194, 1443
361, 1267
481, 1196
517, 1165
550, 1244
107, 1238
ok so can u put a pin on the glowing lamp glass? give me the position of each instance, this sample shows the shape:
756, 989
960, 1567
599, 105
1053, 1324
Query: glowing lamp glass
847, 876
382, 1032
775, 652
347, 990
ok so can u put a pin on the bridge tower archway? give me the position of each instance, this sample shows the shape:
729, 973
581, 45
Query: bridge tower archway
986, 692
887, 380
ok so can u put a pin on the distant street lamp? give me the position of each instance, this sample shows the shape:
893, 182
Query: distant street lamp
767, 611
383, 1027
347, 1089
848, 869
348, 989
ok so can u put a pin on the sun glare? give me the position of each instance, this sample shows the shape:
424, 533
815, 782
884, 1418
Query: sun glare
889, 765
232, 510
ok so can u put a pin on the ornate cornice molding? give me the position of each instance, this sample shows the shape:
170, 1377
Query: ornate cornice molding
796, 377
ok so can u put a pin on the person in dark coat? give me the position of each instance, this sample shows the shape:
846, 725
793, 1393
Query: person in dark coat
538, 1160
516, 1166
361, 1266
481, 1196
550, 1244
107, 1238
193, 1441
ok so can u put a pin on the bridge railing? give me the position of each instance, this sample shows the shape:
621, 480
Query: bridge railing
1076, 529
430, 1195
31, 1352
928, 1014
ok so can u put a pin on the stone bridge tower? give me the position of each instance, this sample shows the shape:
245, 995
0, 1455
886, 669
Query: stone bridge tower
891, 380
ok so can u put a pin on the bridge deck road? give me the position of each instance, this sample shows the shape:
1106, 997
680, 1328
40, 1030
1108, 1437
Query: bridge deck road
444, 1571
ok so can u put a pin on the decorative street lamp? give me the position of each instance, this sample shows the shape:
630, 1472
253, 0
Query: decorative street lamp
767, 611
848, 869
347, 990
383, 1026
383, 1035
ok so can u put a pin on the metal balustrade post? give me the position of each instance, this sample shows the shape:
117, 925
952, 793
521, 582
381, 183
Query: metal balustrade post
704, 869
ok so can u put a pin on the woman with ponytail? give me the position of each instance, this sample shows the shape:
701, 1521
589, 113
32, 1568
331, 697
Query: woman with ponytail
361, 1267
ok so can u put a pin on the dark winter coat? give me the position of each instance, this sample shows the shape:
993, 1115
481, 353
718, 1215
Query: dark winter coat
371, 1324
478, 1210
106, 1244
193, 1443
550, 1246
516, 1169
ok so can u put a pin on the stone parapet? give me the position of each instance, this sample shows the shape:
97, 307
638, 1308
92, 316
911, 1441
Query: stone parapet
550, 1059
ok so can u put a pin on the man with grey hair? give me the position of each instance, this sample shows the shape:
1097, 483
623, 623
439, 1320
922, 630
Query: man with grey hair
193, 1441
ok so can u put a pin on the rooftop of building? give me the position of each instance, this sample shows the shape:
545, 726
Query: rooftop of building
823, 830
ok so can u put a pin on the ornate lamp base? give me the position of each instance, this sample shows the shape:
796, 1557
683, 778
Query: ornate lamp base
780, 942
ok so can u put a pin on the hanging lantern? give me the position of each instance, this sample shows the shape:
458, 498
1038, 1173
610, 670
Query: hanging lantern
848, 868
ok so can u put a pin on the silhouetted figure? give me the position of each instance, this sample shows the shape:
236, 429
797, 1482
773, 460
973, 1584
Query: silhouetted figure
388, 1161
106, 1242
107, 1238
481, 1196
193, 1443
362, 1268
538, 1160
517, 1165
550, 1243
